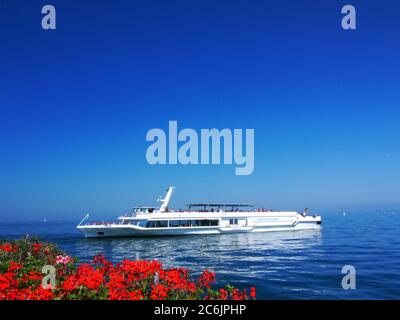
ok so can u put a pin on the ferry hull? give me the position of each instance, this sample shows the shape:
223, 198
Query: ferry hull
207, 219
128, 231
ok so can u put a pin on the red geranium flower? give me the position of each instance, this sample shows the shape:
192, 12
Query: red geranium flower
253, 292
37, 247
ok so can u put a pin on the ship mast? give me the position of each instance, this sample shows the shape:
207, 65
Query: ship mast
165, 201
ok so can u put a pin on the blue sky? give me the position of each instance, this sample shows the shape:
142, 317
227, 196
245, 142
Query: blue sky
76, 103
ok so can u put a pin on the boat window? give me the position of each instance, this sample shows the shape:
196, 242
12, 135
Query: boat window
174, 223
179, 223
184, 223
162, 224
195, 223
157, 224
150, 224
204, 223
142, 223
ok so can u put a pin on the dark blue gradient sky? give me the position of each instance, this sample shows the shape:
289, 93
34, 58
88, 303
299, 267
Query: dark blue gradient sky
76, 103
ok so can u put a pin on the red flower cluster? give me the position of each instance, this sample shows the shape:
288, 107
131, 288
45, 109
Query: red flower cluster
14, 287
85, 276
205, 278
36, 247
8, 248
128, 280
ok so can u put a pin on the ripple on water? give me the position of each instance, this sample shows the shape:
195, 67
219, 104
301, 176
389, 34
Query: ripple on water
282, 265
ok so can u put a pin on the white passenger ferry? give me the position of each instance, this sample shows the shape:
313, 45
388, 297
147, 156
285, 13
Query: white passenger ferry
201, 218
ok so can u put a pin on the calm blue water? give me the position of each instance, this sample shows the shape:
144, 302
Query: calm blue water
284, 265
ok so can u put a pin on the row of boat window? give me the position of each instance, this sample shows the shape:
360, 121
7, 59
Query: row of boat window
180, 223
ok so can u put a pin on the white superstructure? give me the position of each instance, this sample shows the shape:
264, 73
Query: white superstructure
201, 218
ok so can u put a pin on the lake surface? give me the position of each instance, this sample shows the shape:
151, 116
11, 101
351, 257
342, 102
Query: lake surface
281, 265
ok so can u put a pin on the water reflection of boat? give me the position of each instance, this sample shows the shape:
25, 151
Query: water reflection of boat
230, 254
